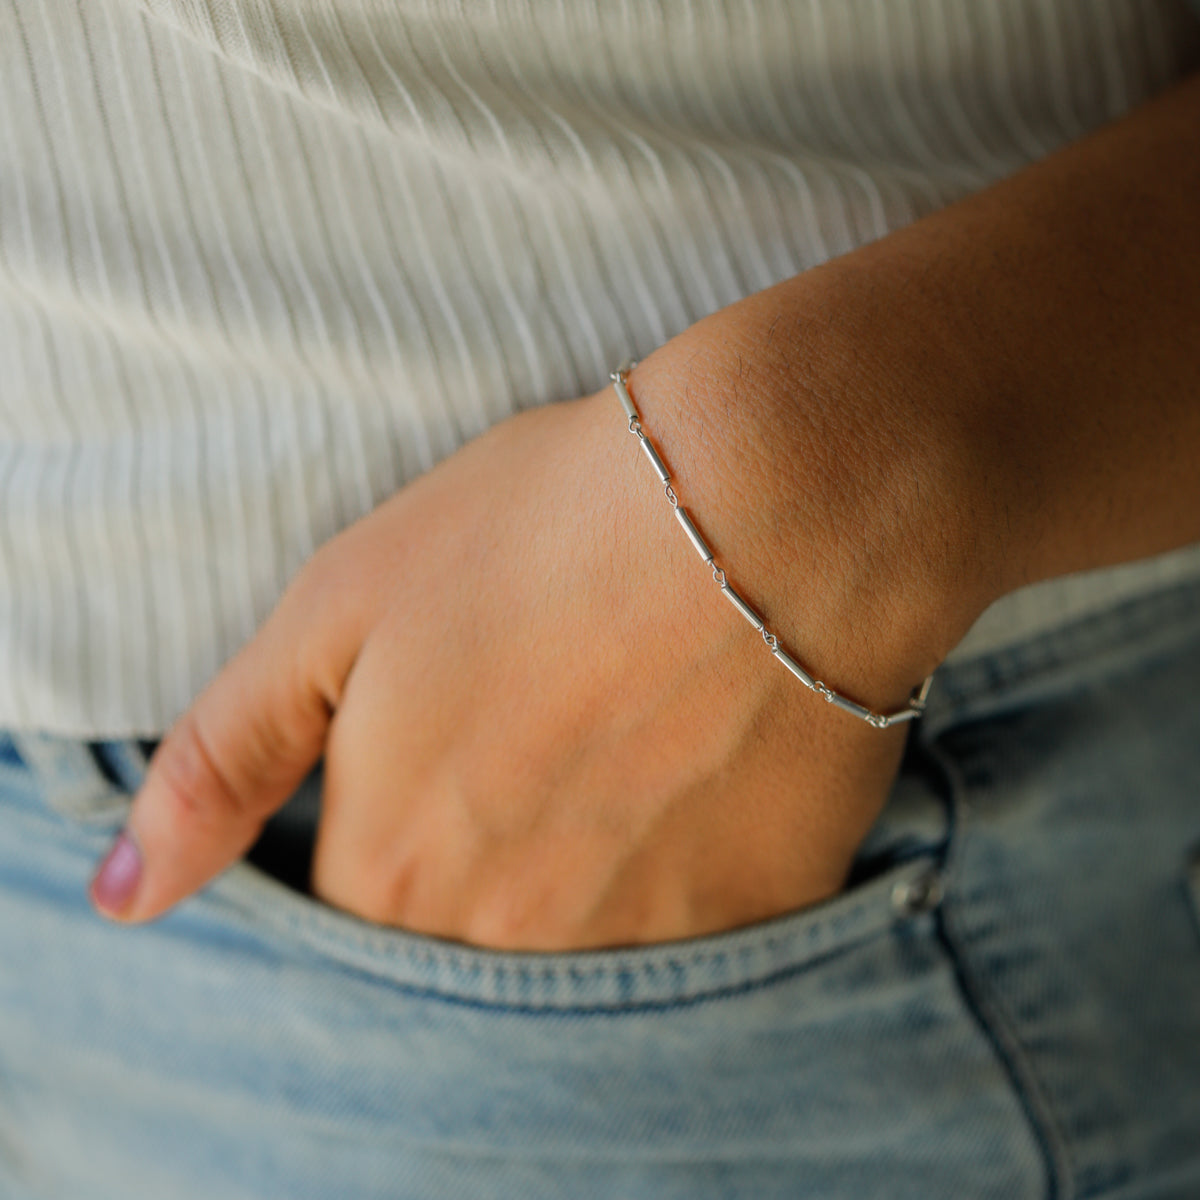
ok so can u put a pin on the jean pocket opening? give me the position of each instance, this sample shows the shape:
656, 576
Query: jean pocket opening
629, 979
892, 888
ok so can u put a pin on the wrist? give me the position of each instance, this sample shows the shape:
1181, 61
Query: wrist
822, 471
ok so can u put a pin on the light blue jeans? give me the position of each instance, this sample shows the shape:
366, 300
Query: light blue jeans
1005, 1002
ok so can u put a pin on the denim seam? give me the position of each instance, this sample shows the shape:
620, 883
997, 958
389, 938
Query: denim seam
570, 976
993, 1020
312, 929
577, 1009
444, 957
454, 962
380, 943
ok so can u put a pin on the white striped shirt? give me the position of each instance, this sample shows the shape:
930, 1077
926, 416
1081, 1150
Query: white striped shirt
263, 261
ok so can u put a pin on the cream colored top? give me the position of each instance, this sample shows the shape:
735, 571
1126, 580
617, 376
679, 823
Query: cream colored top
263, 261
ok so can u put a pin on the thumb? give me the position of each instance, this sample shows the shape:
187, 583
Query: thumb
231, 761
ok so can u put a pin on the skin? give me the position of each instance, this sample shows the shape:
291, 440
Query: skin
543, 727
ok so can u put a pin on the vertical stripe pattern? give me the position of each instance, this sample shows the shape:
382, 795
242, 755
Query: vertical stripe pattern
264, 261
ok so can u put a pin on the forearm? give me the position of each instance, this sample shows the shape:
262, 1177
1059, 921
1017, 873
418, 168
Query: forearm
1074, 290
1004, 391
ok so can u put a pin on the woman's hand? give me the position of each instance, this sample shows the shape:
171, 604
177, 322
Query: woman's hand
543, 726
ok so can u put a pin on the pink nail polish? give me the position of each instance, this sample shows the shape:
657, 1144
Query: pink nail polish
117, 879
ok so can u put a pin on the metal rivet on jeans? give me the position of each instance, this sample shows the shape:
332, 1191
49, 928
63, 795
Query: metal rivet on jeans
919, 895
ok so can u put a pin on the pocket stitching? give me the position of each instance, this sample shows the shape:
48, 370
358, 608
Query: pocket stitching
481, 977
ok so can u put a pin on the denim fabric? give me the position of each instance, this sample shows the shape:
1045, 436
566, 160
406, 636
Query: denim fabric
1005, 1001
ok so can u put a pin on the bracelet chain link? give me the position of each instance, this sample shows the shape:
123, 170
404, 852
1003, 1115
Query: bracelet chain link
916, 702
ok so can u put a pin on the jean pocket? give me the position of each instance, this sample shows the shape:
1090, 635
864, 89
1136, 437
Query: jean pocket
895, 881
638, 977
258, 1042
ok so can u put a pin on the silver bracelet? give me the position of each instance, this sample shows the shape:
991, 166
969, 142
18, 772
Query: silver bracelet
916, 702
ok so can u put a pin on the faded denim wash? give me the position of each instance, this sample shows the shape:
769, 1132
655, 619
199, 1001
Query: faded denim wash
1004, 1003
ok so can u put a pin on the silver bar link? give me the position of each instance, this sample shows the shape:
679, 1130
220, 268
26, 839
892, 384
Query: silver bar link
905, 714
793, 666
742, 607
618, 378
855, 710
660, 467
916, 702
689, 527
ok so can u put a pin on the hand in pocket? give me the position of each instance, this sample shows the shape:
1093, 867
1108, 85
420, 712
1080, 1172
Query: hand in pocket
543, 727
